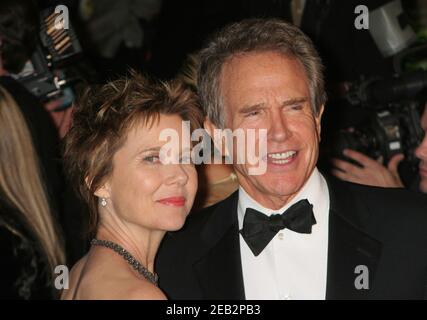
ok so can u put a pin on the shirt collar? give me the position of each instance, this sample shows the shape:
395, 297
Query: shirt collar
313, 190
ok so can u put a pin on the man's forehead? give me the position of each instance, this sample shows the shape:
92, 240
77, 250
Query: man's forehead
254, 57
244, 69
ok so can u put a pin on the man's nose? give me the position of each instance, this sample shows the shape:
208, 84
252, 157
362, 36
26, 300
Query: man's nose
279, 127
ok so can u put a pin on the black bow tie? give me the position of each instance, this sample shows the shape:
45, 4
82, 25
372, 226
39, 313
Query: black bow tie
258, 229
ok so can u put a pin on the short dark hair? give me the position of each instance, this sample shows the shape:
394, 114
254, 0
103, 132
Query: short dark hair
102, 118
19, 32
255, 35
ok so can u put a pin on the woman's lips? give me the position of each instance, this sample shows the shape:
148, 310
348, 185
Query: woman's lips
173, 201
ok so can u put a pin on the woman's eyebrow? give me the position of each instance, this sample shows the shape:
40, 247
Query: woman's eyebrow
147, 150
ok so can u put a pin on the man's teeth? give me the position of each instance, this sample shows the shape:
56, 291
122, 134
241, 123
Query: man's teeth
282, 157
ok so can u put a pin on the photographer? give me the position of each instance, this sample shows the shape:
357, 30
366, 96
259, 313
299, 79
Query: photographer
19, 33
374, 173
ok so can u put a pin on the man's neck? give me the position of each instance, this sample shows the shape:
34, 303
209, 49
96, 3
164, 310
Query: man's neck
274, 202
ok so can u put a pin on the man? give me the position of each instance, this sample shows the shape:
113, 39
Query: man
289, 233
375, 174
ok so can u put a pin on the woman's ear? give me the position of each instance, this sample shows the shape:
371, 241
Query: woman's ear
103, 191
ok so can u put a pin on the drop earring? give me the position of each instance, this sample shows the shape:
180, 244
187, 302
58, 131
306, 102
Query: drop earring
103, 202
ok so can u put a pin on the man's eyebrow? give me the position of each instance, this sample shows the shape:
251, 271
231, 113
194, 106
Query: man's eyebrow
294, 101
260, 106
251, 108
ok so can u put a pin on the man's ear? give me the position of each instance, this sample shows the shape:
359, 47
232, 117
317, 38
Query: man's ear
318, 120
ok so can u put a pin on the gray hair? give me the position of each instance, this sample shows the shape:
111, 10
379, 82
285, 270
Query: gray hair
255, 35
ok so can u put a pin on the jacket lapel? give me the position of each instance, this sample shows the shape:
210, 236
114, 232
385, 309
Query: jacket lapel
349, 246
219, 269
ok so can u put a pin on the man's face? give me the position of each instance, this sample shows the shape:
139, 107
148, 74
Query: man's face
270, 91
421, 153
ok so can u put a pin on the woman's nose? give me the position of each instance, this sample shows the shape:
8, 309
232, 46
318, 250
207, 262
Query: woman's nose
177, 174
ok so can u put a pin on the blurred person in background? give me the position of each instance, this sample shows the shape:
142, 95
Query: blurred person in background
217, 179
19, 33
29, 239
117, 34
373, 172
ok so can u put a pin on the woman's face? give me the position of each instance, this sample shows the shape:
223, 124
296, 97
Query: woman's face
142, 190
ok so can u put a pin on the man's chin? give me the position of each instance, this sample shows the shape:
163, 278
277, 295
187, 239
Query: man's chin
281, 189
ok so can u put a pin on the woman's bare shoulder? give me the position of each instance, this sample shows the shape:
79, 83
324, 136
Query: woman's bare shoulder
75, 274
120, 288
109, 280
144, 291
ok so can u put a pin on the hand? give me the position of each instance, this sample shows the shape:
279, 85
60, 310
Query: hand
373, 172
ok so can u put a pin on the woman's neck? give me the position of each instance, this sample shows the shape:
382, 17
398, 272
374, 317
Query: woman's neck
140, 242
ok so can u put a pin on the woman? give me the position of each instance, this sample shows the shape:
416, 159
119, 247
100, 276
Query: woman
29, 244
114, 155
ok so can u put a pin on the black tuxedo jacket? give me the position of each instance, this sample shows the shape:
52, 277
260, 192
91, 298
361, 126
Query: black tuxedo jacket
382, 229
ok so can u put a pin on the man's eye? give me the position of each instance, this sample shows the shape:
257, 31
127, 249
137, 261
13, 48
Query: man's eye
297, 107
252, 114
152, 159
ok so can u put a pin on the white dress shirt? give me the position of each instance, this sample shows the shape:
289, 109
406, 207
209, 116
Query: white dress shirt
293, 265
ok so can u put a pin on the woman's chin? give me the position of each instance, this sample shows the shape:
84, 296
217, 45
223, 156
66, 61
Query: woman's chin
173, 227
174, 224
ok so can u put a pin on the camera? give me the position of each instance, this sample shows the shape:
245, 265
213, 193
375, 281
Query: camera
45, 75
394, 123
